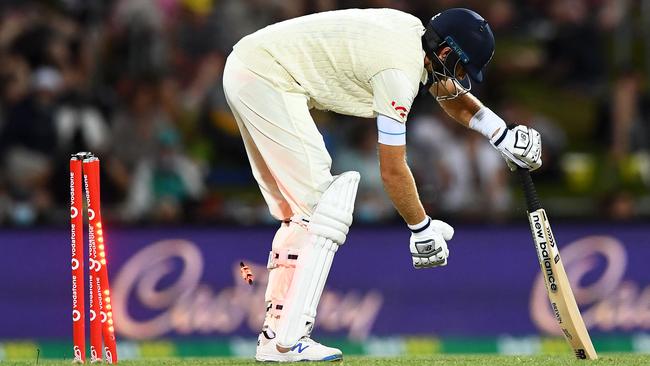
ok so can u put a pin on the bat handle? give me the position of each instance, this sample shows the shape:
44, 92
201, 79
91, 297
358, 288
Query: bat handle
532, 200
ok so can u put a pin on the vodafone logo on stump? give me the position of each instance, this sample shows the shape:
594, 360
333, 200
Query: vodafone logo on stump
77, 353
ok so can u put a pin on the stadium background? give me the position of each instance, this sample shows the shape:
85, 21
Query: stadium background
138, 82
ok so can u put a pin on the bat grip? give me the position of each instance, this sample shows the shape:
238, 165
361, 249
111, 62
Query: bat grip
532, 200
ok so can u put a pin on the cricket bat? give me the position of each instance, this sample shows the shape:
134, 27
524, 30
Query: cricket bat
557, 284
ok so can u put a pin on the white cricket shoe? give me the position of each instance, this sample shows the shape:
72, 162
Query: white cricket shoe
305, 350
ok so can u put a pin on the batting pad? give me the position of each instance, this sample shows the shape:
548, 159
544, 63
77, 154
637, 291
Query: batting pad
328, 228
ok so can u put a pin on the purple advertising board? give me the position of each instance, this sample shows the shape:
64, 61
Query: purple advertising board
174, 282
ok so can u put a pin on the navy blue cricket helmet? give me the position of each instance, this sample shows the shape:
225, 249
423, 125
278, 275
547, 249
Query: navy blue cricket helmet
467, 34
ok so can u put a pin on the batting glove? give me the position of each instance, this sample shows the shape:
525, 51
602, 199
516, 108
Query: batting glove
521, 146
428, 243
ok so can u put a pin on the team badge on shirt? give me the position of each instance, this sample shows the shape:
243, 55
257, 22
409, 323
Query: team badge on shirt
400, 109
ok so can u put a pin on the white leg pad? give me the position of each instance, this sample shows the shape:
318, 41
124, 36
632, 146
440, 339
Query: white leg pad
328, 228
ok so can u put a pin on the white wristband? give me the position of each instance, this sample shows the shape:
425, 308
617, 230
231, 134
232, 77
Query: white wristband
487, 123
390, 131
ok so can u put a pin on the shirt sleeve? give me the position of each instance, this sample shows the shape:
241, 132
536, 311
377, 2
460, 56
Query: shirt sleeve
393, 94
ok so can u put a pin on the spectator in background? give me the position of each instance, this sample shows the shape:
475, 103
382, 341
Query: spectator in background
81, 125
575, 54
197, 59
135, 131
165, 183
360, 155
217, 133
459, 169
136, 45
27, 142
629, 116
624, 127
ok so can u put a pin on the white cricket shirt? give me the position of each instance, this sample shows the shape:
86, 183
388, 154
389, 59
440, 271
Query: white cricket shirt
336, 59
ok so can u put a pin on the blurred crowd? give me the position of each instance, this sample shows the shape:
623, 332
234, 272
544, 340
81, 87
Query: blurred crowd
138, 83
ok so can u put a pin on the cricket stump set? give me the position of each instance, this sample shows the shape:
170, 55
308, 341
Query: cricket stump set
99, 299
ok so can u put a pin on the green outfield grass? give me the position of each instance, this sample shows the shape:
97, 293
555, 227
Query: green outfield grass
442, 360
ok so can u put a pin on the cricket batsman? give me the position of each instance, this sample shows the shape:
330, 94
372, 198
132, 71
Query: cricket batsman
358, 62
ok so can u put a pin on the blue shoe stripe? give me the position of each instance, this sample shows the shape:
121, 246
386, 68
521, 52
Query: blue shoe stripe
332, 358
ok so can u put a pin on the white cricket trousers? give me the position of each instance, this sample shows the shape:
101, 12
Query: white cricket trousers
286, 152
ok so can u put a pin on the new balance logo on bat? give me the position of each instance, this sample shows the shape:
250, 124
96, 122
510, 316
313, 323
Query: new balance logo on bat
542, 251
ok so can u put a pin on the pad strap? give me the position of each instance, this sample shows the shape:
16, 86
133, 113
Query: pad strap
282, 257
275, 309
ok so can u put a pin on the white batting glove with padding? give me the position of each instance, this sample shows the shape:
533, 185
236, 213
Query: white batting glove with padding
521, 146
429, 243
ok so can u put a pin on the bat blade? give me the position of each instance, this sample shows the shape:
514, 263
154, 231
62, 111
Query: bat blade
558, 287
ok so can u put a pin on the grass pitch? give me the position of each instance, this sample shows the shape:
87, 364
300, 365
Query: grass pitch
437, 360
